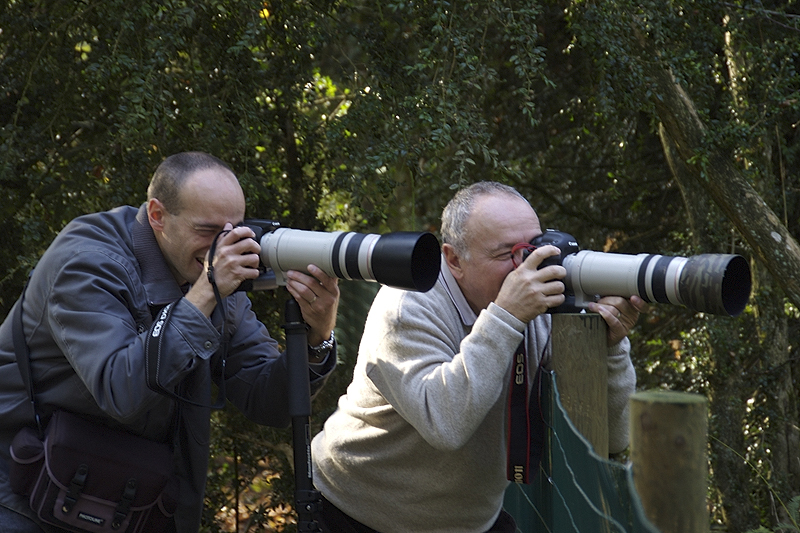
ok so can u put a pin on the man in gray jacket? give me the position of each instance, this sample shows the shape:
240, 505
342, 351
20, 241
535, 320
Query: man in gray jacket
90, 306
418, 442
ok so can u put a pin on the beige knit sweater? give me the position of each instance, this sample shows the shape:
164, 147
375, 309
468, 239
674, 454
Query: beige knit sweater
418, 442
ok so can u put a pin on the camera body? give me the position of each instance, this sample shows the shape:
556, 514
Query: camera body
568, 245
709, 283
267, 278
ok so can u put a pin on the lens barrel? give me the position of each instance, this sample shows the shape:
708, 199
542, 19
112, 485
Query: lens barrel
406, 260
710, 283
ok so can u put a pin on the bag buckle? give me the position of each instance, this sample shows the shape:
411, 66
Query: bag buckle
124, 504
75, 488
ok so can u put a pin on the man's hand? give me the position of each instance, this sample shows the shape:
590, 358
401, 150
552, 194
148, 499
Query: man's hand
235, 260
527, 292
318, 296
620, 314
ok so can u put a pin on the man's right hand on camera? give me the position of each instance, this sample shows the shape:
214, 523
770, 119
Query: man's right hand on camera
235, 260
527, 291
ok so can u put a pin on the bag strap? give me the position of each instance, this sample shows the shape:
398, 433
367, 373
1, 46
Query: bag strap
24, 357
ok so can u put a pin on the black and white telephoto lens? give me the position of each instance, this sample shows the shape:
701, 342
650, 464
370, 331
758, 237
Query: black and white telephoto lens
405, 260
718, 284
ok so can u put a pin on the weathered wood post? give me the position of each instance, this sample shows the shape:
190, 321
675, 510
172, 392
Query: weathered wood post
669, 459
580, 363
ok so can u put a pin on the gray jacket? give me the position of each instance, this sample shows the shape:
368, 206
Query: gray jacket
88, 311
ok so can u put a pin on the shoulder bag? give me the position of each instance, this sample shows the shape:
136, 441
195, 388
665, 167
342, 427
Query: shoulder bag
83, 476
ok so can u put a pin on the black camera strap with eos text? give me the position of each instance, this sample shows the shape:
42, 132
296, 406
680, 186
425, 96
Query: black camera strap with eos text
153, 346
152, 362
525, 422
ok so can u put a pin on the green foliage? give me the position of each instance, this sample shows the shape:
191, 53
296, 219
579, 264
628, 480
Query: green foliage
792, 525
366, 116
727, 58
429, 81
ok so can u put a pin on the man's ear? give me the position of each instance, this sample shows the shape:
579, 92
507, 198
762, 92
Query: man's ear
453, 260
155, 214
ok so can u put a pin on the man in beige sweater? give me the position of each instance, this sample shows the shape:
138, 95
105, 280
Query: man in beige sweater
418, 442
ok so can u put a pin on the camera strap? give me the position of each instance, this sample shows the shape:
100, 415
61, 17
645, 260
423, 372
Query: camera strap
153, 349
525, 423
153, 346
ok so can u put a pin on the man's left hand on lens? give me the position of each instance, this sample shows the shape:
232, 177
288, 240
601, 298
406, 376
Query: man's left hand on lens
236, 259
620, 314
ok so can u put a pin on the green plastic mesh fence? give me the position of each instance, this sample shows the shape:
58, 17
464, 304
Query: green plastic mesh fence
575, 490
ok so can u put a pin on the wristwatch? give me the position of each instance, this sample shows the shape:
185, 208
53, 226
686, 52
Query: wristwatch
322, 348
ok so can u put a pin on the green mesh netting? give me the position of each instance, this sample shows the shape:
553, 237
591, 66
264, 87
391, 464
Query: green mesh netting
575, 491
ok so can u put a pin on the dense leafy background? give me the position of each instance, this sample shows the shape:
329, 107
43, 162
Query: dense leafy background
367, 115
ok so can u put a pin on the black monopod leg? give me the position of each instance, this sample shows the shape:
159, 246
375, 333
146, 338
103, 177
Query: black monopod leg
307, 499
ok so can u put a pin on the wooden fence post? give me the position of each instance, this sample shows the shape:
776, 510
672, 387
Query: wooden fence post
669, 459
580, 363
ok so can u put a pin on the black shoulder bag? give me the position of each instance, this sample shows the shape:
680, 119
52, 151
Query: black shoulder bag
83, 476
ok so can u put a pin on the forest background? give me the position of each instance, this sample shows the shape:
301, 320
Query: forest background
651, 126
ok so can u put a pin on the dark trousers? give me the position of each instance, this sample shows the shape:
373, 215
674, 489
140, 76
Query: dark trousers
336, 521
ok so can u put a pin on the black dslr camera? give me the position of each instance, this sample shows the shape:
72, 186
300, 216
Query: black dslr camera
568, 245
709, 283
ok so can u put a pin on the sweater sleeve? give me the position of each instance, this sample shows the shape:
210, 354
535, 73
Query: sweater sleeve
621, 384
440, 384
258, 377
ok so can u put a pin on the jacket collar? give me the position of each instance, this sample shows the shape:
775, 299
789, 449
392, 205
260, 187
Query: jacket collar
159, 284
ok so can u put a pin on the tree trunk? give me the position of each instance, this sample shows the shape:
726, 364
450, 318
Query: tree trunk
721, 179
694, 197
780, 406
779, 254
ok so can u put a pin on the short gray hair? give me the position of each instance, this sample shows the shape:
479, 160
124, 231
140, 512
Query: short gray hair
172, 173
459, 208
